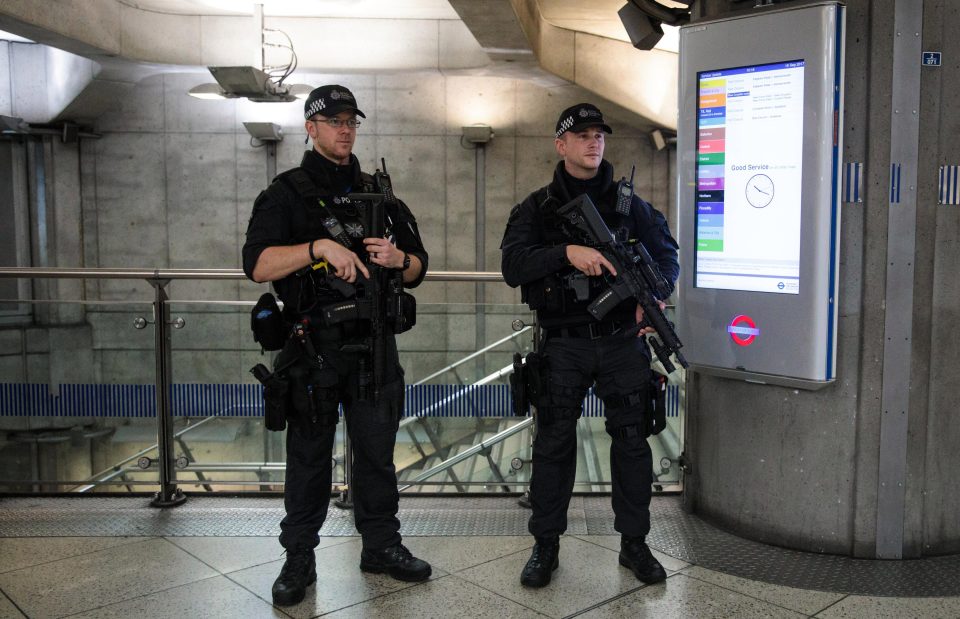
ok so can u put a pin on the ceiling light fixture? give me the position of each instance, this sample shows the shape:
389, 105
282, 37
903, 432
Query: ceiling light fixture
260, 85
11, 125
265, 132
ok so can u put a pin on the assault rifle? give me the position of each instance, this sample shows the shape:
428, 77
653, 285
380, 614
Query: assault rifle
372, 299
638, 277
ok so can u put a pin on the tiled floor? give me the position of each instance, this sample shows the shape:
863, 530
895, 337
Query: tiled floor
476, 576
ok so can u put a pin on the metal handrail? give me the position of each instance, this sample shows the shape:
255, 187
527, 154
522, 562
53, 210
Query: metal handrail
475, 449
469, 453
472, 356
483, 381
135, 273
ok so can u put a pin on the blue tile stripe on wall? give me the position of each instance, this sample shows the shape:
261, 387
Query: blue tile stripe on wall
853, 182
895, 183
231, 400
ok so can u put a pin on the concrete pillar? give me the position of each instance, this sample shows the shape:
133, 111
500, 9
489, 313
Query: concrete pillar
865, 467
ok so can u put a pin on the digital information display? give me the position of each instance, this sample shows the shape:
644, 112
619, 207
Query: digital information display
749, 165
759, 139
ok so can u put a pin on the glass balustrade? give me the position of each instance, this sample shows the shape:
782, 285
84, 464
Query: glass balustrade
79, 396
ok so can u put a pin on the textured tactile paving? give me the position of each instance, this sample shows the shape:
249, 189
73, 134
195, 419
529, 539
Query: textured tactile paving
674, 532
691, 539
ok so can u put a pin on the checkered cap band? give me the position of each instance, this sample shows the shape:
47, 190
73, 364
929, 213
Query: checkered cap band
565, 124
330, 100
581, 116
314, 107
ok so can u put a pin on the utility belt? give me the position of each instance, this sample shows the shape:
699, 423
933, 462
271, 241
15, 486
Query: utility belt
302, 389
593, 330
342, 319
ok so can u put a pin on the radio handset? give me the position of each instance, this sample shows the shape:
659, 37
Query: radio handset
625, 193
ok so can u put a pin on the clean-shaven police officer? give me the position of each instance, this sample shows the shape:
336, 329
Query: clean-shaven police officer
578, 351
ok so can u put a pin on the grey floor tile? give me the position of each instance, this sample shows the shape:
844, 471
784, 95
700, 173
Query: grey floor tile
229, 554
340, 583
682, 597
107, 576
801, 600
456, 553
19, 552
588, 575
8, 610
448, 596
858, 606
612, 542
215, 598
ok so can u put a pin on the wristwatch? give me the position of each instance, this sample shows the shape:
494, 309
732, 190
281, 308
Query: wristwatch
406, 261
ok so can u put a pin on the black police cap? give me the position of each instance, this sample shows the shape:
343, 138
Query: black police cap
329, 101
581, 116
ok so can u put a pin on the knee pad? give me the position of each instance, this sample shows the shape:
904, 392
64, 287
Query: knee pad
633, 437
635, 400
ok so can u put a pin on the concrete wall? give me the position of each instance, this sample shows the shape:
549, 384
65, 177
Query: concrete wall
936, 525
39, 81
803, 469
172, 180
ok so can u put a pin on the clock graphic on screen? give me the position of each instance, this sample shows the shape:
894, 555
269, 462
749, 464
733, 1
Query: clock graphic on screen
759, 190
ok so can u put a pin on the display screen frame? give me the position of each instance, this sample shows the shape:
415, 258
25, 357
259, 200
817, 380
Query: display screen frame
754, 335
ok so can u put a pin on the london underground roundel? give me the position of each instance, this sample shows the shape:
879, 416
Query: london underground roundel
743, 330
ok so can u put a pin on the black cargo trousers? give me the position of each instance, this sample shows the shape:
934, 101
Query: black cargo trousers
372, 428
620, 368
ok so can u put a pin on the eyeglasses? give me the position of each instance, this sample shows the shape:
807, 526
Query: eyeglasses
336, 123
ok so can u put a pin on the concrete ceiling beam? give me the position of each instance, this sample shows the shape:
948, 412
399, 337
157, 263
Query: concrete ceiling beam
108, 28
642, 82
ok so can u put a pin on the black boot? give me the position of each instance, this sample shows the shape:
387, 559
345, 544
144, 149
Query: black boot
396, 561
544, 559
299, 572
635, 555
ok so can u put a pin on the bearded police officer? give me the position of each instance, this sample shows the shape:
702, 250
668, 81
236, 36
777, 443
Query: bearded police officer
306, 217
578, 351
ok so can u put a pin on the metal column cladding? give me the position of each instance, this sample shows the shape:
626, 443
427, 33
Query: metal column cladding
901, 246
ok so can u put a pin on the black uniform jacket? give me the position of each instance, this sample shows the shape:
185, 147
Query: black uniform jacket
534, 248
282, 217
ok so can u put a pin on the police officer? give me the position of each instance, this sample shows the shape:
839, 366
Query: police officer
295, 224
578, 351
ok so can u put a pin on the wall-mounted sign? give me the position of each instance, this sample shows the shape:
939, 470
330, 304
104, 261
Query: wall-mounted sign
931, 59
743, 330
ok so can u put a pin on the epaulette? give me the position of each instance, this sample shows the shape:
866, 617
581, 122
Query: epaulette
300, 182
